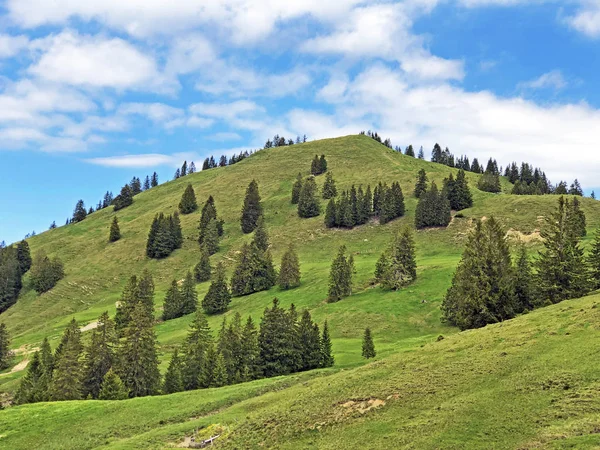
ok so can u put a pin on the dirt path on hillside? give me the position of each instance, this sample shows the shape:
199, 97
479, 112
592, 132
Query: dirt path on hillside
89, 326
21, 366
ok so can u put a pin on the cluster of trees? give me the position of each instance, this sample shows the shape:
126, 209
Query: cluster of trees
397, 266
488, 287
211, 227
211, 162
218, 297
528, 180
457, 191
185, 170
15, 261
318, 165
280, 141
375, 136
356, 207
433, 208
124, 199
180, 301
165, 236
45, 272
5, 352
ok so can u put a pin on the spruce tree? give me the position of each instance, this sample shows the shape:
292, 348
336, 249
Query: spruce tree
45, 272
196, 345
461, 198
309, 342
203, 269
124, 199
100, 356
30, 389
210, 239
5, 352
489, 182
250, 351
315, 167
289, 272
577, 217
24, 256
127, 302
207, 370
145, 292
278, 357
112, 387
253, 272
154, 180
218, 297
322, 164
252, 208
147, 183
421, 185
308, 202
331, 214
209, 212
482, 290
189, 297
368, 347
80, 212
188, 202
593, 261
327, 359
115, 232
296, 188
397, 267
329, 189
261, 237
524, 300
172, 307
340, 277
220, 372
433, 209
173, 378
67, 376
138, 359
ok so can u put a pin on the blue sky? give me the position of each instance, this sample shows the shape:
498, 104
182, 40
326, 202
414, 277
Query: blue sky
95, 92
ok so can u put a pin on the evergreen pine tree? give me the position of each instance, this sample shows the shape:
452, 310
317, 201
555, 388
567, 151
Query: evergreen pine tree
327, 359
340, 277
296, 188
197, 343
309, 342
220, 372
79, 213
124, 199
154, 180
24, 256
421, 185
276, 334
126, 304
250, 352
5, 352
112, 387
489, 182
45, 272
31, 389
252, 208
331, 214
173, 378
410, 151
315, 167
203, 269
322, 164
218, 297
329, 189
289, 272
462, 196
147, 183
115, 232
173, 302
188, 202
577, 217
308, 202
100, 356
145, 292
433, 209
524, 300
253, 272
138, 359
189, 297
593, 261
261, 237
368, 347
397, 267
67, 376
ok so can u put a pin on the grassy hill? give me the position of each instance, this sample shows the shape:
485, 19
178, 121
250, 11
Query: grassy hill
425, 378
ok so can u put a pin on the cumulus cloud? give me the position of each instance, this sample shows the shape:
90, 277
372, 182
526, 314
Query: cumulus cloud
143, 160
550, 80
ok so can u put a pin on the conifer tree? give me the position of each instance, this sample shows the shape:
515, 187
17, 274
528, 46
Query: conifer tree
327, 359
135, 185
79, 213
115, 232
220, 372
138, 359
308, 203
576, 217
145, 292
261, 237
24, 256
188, 202
296, 188
433, 209
252, 208
289, 272
230, 346
112, 387
368, 348
209, 212
100, 356
173, 378
253, 272
482, 290
397, 267
461, 197
45, 272
207, 370
184, 169
197, 343
329, 189
189, 297
331, 214
315, 167
203, 269
124, 199
593, 261
173, 302
67, 376
127, 302
489, 182
147, 183
154, 180
218, 297
322, 164
421, 185
5, 352
250, 352
561, 269
340, 277
278, 357
30, 389
309, 342
524, 300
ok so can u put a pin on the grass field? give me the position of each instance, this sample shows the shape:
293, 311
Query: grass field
458, 375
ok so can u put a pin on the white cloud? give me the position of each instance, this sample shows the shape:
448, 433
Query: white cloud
587, 19
550, 80
225, 110
143, 160
429, 67
12, 45
225, 136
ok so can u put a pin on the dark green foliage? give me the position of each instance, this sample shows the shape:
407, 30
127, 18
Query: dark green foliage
331, 214
138, 359
355, 207
261, 237
220, 372
523, 282
100, 356
289, 272
421, 185
203, 269
124, 199
24, 256
188, 202
392, 205
172, 306
489, 182
136, 186
251, 209
296, 188
45, 272
250, 352
207, 229
309, 340
368, 347
254, 271
329, 189
576, 217
561, 269
10, 277
322, 164
308, 203
482, 290
115, 232
218, 297
397, 266
173, 378
340, 277
318, 165
230, 347
129, 299
433, 209
112, 387
278, 354
189, 297
195, 348
79, 213
154, 180
327, 359
409, 151
593, 261
33, 387
165, 236
67, 377
5, 352
457, 191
